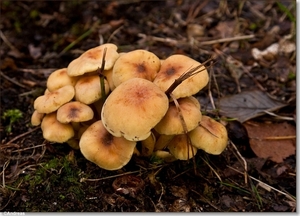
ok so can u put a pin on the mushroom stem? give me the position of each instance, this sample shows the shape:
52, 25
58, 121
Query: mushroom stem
191, 72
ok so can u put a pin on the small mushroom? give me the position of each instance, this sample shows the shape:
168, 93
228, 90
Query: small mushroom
175, 66
51, 101
180, 148
54, 131
91, 60
74, 111
137, 63
164, 155
162, 141
36, 118
102, 148
171, 123
88, 89
134, 108
60, 78
210, 136
108, 76
148, 145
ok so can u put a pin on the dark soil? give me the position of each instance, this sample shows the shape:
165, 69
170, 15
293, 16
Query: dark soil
38, 176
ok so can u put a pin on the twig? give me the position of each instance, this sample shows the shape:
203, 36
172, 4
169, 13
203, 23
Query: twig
80, 38
279, 117
21, 135
184, 76
285, 194
214, 171
202, 197
12, 80
223, 40
114, 33
33, 147
8, 43
244, 161
117, 175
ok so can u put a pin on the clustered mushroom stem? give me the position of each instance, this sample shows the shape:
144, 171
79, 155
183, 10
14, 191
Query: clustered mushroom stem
100, 72
185, 130
185, 76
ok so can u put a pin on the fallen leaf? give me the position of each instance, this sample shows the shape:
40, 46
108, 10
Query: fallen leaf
267, 140
247, 105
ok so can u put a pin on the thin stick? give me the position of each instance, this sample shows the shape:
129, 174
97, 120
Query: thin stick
12, 80
100, 72
230, 39
185, 130
287, 195
244, 161
33, 147
215, 172
118, 175
185, 76
21, 135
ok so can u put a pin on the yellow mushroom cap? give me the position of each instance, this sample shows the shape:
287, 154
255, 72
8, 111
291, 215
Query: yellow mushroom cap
51, 101
180, 148
134, 108
60, 78
88, 89
173, 67
211, 136
74, 111
137, 63
171, 123
54, 131
91, 60
102, 148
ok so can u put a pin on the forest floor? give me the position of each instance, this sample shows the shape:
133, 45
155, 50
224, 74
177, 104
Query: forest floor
252, 89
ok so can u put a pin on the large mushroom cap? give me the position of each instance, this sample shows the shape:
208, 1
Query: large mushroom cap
54, 131
102, 148
91, 60
210, 136
134, 108
171, 123
173, 67
137, 63
51, 101
74, 111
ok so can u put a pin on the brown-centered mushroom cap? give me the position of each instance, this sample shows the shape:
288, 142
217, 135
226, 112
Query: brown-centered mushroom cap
51, 101
91, 60
211, 136
173, 67
54, 131
74, 111
88, 89
134, 108
137, 63
171, 123
60, 78
102, 148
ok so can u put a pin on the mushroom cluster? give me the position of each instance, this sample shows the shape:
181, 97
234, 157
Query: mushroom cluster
112, 105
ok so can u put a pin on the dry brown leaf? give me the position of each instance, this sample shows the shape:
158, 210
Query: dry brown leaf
267, 140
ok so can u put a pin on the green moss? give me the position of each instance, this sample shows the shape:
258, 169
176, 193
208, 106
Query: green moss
56, 173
